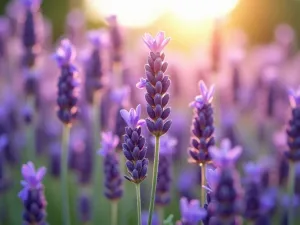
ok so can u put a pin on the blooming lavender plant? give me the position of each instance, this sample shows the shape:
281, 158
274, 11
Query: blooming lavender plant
67, 111
32, 195
67, 83
293, 135
202, 130
156, 84
191, 212
113, 181
93, 68
134, 150
29, 36
226, 203
115, 38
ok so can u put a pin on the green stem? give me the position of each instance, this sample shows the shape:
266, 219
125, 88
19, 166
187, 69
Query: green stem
291, 187
97, 181
203, 180
161, 214
64, 174
154, 179
30, 133
138, 203
114, 212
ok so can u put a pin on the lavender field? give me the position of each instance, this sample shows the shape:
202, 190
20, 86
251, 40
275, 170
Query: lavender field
161, 116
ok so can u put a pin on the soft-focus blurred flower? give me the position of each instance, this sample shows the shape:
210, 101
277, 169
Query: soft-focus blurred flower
108, 144
191, 212
32, 194
225, 155
294, 96
65, 53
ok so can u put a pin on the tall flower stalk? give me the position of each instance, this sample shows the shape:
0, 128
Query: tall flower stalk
164, 182
156, 84
225, 177
293, 134
67, 112
32, 195
134, 151
113, 182
93, 86
202, 132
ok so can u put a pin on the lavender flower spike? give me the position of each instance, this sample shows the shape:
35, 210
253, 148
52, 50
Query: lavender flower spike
32, 195
67, 83
191, 212
293, 131
113, 181
134, 146
294, 96
202, 128
156, 84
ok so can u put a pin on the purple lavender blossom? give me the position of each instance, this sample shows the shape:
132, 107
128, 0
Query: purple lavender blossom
93, 67
191, 212
156, 84
293, 131
67, 99
115, 38
113, 181
164, 177
32, 195
84, 208
29, 36
226, 204
225, 156
134, 146
120, 96
202, 128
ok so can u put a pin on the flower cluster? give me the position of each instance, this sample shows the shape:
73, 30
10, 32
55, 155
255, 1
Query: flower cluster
113, 180
93, 67
156, 84
134, 146
202, 128
29, 36
226, 204
191, 212
67, 84
32, 195
293, 131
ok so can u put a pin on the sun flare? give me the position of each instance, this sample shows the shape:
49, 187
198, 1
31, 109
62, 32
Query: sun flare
140, 13
197, 10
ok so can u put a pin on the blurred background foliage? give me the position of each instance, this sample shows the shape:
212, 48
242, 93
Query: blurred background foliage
257, 18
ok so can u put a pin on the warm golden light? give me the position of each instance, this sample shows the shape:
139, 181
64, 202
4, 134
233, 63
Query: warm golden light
132, 13
140, 13
197, 10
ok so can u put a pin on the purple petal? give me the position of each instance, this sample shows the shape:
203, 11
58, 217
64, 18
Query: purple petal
125, 115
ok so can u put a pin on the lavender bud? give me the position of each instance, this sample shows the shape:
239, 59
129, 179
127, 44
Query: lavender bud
32, 195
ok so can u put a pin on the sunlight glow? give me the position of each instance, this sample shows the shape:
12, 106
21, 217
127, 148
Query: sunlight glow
131, 13
197, 10
140, 13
